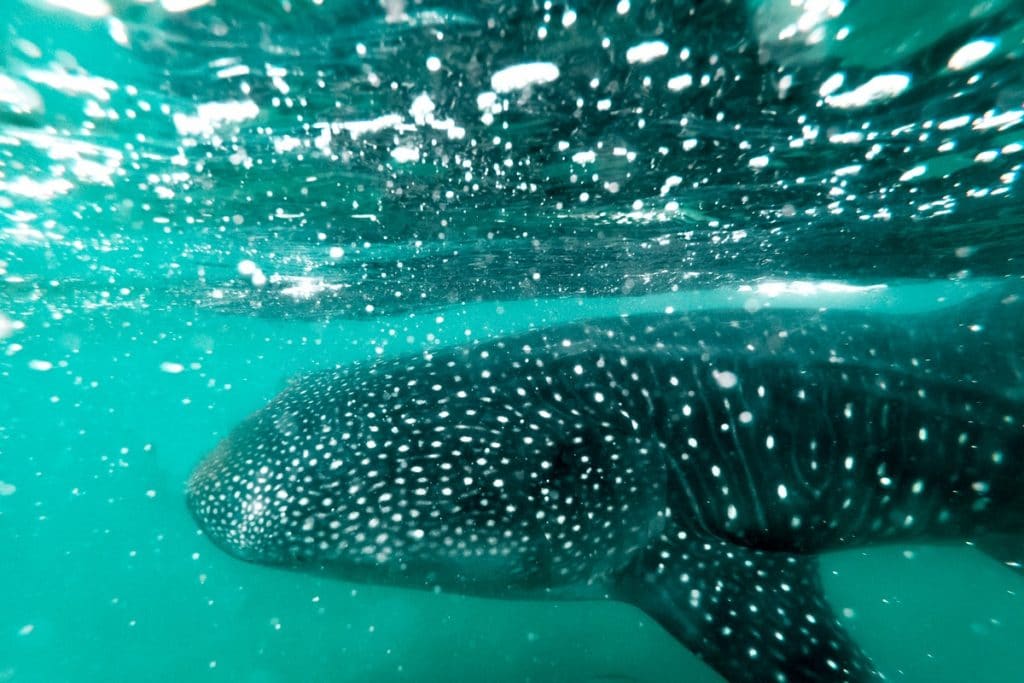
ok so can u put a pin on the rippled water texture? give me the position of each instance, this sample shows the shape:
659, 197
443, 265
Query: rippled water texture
302, 159
201, 199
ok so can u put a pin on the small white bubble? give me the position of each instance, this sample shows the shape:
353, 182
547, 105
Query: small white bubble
404, 154
915, 172
680, 82
725, 378
647, 52
6, 326
972, 53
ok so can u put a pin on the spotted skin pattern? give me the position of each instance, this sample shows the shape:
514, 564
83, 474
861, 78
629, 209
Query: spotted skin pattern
693, 465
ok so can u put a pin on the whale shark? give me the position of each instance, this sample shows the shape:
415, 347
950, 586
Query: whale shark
691, 464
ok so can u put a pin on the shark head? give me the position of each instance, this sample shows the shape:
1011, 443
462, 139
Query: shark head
447, 470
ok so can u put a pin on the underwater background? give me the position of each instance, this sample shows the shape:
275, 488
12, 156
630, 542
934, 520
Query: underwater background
200, 200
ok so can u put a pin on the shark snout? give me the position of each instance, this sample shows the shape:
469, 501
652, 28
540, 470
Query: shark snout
231, 509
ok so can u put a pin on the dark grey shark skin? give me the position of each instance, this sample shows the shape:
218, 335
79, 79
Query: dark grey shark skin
693, 465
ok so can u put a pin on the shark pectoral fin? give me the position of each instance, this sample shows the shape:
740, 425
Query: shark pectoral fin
1007, 549
752, 615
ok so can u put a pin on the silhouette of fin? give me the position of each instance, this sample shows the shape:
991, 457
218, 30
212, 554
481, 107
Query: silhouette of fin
1007, 549
752, 615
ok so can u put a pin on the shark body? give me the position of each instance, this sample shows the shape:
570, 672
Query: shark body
693, 465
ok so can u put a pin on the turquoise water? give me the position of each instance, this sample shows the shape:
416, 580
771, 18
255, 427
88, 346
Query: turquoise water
105, 573
179, 236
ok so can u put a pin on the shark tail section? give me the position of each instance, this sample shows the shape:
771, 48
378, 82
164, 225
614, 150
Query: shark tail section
1001, 536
